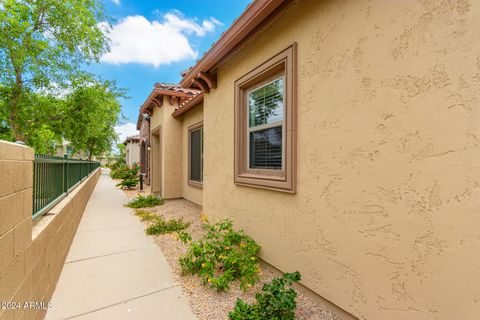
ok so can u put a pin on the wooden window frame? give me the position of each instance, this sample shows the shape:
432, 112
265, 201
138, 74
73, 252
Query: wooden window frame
273, 179
191, 182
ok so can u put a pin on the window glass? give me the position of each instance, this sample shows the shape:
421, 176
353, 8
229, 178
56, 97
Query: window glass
265, 122
196, 141
266, 148
265, 104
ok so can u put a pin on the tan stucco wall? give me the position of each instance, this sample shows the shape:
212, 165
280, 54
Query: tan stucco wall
192, 117
385, 220
33, 257
132, 150
156, 164
171, 144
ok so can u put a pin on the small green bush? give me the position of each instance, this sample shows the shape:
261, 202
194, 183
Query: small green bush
129, 176
162, 226
119, 172
145, 201
145, 215
221, 256
277, 301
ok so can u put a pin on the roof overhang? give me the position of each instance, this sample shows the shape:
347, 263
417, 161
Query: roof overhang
133, 139
255, 14
188, 106
156, 98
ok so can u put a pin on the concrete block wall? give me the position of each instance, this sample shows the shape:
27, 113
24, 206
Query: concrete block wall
32, 256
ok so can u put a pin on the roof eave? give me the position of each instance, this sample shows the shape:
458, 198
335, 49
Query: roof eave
256, 13
188, 106
155, 92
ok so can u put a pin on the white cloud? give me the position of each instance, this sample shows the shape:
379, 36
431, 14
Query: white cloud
126, 130
138, 40
117, 2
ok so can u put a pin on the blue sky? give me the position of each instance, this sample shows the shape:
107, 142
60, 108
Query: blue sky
154, 41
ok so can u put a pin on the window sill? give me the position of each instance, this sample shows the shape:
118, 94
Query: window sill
195, 184
266, 182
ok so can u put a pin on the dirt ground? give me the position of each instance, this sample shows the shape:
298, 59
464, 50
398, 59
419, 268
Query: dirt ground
206, 303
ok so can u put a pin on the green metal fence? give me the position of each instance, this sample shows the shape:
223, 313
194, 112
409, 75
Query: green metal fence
54, 177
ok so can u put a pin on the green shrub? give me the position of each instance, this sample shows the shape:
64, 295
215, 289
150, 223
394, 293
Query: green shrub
277, 301
145, 215
162, 226
129, 183
221, 256
119, 172
145, 201
129, 176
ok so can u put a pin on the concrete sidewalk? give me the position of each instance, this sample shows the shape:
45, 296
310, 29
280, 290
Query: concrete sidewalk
113, 270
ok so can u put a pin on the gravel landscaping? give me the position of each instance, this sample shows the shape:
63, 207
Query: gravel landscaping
206, 303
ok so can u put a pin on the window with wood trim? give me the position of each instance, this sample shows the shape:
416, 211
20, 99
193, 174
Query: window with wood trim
265, 130
195, 165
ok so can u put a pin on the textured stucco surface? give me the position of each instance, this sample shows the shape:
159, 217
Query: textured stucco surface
156, 163
171, 144
132, 153
385, 220
192, 117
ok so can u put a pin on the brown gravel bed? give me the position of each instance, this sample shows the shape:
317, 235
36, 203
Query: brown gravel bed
206, 303
132, 193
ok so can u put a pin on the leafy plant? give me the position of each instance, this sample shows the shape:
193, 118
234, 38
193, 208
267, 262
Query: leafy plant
184, 237
145, 201
118, 172
129, 183
277, 301
129, 176
162, 226
221, 256
145, 215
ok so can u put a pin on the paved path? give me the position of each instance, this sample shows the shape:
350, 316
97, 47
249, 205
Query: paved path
113, 270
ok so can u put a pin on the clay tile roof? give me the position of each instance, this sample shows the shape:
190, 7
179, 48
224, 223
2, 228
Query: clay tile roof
188, 104
168, 89
187, 101
135, 138
175, 88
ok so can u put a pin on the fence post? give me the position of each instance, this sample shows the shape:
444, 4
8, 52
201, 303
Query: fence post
65, 173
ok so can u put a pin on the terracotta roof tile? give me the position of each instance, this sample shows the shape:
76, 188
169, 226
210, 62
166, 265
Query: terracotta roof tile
134, 138
187, 101
175, 88
188, 104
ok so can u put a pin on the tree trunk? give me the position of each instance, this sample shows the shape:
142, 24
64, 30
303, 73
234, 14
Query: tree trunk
89, 154
14, 105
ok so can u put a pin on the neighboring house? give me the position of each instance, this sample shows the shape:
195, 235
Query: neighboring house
132, 150
143, 125
169, 148
66, 149
343, 136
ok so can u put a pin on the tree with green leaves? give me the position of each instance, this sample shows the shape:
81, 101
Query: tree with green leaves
43, 44
93, 112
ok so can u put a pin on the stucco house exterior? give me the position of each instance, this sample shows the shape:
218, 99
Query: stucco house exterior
143, 125
132, 150
67, 149
343, 136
